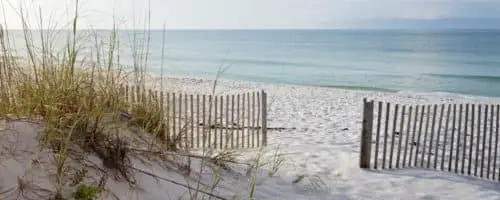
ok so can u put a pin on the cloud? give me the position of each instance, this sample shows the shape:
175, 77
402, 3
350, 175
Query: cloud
246, 13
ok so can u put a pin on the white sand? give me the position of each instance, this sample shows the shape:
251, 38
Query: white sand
319, 147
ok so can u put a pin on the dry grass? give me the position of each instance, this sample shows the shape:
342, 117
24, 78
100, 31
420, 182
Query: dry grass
82, 107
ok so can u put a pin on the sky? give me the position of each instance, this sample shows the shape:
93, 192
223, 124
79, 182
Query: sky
251, 14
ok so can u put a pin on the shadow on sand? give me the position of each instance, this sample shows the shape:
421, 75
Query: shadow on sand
482, 183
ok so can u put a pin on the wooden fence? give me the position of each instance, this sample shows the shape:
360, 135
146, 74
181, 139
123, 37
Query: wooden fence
227, 121
459, 138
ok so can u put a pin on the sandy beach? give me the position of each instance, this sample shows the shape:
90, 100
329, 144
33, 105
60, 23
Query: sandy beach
321, 139
326, 139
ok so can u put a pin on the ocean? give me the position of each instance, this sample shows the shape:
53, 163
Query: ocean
435, 61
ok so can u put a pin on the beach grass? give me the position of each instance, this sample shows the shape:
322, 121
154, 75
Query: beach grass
79, 100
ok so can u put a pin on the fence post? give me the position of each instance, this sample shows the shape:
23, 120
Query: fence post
366, 134
264, 118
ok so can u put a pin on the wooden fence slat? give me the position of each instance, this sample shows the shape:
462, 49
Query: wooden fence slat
401, 135
497, 120
408, 129
243, 106
210, 123
221, 121
431, 141
249, 137
419, 134
264, 118
395, 121
459, 133
464, 147
232, 121
238, 120
476, 161
445, 136
425, 135
471, 144
452, 137
187, 132
214, 125
191, 111
258, 127
438, 138
198, 120
386, 133
204, 113
490, 142
377, 138
413, 142
483, 147
174, 117
253, 119
366, 134
226, 136
181, 133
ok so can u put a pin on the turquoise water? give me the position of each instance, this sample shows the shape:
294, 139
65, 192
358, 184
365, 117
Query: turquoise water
466, 62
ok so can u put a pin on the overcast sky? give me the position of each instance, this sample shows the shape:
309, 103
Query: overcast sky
244, 14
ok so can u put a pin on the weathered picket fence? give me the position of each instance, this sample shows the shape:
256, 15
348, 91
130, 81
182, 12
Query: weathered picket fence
214, 121
459, 138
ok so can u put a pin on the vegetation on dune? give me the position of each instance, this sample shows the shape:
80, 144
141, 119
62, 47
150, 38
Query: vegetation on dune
79, 98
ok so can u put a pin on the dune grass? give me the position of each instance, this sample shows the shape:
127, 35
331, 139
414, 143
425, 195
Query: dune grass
79, 98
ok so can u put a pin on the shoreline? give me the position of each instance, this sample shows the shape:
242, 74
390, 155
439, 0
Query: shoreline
203, 85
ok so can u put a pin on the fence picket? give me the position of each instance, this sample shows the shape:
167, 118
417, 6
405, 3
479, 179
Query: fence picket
497, 120
238, 120
386, 133
471, 144
413, 142
366, 134
204, 132
459, 133
483, 147
407, 135
243, 98
431, 141
221, 121
452, 137
419, 134
258, 128
445, 136
425, 135
264, 118
476, 161
377, 139
174, 118
179, 120
464, 147
248, 136
253, 119
436, 156
400, 141
490, 141
198, 120
192, 122
232, 121
393, 134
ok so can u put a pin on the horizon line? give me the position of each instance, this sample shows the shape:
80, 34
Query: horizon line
268, 29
